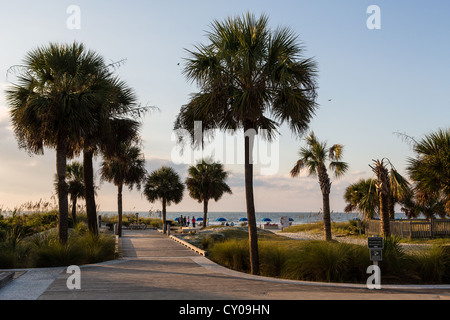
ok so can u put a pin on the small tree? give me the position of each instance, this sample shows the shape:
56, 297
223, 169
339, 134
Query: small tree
165, 185
206, 181
313, 158
391, 188
127, 167
75, 185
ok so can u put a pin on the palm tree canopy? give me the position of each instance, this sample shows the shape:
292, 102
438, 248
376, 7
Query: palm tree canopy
430, 169
164, 184
206, 181
246, 74
362, 196
126, 167
316, 154
74, 177
57, 89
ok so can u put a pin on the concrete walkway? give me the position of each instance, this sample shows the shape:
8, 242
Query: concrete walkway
155, 267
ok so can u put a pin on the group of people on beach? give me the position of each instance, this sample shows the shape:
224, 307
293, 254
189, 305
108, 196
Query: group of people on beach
184, 222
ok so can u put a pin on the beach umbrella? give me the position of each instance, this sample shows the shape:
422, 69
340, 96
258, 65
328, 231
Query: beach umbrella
199, 219
221, 219
243, 219
267, 220
177, 218
290, 219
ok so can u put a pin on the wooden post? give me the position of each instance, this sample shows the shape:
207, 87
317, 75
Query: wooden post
432, 227
410, 230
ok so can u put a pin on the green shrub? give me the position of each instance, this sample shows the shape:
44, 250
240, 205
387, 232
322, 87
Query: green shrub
232, 253
7, 256
327, 262
273, 258
432, 266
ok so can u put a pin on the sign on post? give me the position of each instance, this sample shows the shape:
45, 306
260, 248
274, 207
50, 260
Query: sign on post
375, 245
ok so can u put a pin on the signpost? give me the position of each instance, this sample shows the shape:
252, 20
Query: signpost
375, 245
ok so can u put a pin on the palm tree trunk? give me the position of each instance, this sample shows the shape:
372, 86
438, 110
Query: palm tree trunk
164, 216
63, 203
384, 215
325, 186
252, 230
391, 205
205, 212
119, 209
383, 190
88, 174
326, 216
74, 211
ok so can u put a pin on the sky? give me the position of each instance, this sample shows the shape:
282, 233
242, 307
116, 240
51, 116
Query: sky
372, 83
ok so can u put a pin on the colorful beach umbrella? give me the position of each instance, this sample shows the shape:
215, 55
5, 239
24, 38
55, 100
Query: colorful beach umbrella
267, 220
221, 219
199, 219
243, 219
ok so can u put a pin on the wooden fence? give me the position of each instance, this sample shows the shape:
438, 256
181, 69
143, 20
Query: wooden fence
412, 228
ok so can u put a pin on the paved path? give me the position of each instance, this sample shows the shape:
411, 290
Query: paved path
157, 268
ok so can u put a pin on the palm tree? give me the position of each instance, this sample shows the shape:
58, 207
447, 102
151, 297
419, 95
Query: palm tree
75, 185
165, 185
430, 172
246, 74
391, 188
206, 181
313, 158
383, 189
113, 127
127, 167
362, 196
52, 103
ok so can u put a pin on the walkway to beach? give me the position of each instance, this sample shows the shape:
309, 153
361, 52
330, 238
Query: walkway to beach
158, 268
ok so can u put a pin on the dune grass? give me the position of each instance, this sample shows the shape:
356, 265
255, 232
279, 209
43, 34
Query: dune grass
21, 250
328, 261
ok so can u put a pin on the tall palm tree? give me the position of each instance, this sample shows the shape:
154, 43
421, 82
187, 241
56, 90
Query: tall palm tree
127, 168
206, 181
430, 173
113, 127
52, 103
250, 78
313, 158
164, 185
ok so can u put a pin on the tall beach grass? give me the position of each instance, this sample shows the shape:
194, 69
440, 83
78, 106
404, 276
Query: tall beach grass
332, 261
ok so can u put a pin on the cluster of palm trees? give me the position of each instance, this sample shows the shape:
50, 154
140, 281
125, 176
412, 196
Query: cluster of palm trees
250, 78
205, 182
67, 98
427, 191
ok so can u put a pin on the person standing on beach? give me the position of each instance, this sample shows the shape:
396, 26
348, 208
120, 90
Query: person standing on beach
193, 222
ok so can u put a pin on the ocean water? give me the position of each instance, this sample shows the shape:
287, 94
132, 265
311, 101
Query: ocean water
297, 217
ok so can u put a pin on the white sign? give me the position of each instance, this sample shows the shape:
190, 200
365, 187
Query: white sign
284, 221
